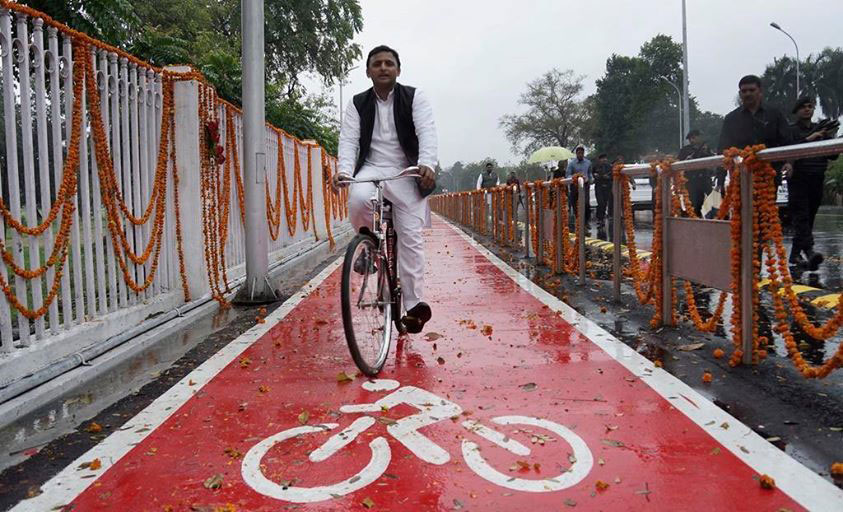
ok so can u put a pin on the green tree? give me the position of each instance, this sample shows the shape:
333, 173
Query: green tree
112, 21
554, 115
820, 77
302, 36
635, 110
829, 81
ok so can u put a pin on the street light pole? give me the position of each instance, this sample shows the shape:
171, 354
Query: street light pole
777, 27
257, 288
679, 104
686, 101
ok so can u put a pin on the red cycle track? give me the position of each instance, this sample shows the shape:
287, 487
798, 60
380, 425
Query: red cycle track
496, 346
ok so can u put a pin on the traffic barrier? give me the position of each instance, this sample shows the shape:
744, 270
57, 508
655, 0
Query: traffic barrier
686, 249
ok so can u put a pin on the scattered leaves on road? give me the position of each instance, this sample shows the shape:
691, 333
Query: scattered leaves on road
767, 482
530, 386
214, 482
691, 346
368, 503
304, 417
343, 377
93, 428
601, 486
432, 336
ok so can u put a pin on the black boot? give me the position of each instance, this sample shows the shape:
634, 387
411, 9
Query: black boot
796, 259
814, 259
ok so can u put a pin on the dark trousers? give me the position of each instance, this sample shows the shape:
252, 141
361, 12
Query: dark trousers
572, 200
698, 188
604, 199
804, 195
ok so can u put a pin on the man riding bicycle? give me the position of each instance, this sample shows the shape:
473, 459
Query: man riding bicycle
387, 128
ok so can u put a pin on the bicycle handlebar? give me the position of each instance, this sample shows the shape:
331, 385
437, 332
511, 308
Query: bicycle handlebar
343, 180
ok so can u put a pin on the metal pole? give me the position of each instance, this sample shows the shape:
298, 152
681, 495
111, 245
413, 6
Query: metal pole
559, 229
783, 31
527, 221
256, 288
667, 306
616, 238
747, 286
679, 104
582, 200
686, 102
540, 225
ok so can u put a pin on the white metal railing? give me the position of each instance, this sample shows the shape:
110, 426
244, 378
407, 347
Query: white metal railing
37, 105
93, 300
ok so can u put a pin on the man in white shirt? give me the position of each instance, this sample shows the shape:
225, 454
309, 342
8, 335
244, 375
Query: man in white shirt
385, 129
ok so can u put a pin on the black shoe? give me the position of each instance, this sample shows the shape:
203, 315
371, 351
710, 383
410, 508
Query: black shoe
363, 264
814, 259
796, 259
416, 317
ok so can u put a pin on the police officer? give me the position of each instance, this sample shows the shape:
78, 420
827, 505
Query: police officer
805, 185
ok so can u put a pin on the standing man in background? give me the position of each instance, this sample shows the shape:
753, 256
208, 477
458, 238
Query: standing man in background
580, 165
603, 187
753, 123
699, 182
805, 185
488, 178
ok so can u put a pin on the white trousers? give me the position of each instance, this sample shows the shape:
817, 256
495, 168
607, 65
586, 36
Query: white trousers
410, 214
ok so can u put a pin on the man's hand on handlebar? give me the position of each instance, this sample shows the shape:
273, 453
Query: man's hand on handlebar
428, 177
336, 180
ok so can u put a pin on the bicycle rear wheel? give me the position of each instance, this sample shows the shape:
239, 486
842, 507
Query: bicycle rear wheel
366, 305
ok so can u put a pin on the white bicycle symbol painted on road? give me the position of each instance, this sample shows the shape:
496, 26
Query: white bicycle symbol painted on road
406, 431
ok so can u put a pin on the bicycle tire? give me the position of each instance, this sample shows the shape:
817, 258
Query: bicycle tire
369, 366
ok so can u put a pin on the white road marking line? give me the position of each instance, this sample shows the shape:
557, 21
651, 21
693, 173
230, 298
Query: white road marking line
70, 483
794, 479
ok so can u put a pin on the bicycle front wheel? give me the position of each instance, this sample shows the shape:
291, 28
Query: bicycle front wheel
366, 305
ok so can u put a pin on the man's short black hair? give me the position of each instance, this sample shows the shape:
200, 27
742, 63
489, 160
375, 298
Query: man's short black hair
602, 155
801, 102
750, 79
383, 48
693, 133
489, 164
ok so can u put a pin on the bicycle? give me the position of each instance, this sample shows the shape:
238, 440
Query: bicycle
431, 409
371, 287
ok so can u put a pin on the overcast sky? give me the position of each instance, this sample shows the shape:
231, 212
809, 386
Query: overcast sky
473, 57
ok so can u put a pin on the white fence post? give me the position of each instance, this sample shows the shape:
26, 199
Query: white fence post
186, 105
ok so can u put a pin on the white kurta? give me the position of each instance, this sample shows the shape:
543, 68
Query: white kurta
411, 212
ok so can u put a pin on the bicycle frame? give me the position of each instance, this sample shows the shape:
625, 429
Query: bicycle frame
382, 227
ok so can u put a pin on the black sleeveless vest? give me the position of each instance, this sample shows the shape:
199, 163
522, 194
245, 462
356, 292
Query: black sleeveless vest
402, 109
366, 105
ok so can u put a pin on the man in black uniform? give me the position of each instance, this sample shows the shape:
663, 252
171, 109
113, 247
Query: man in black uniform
805, 185
699, 182
754, 123
603, 186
